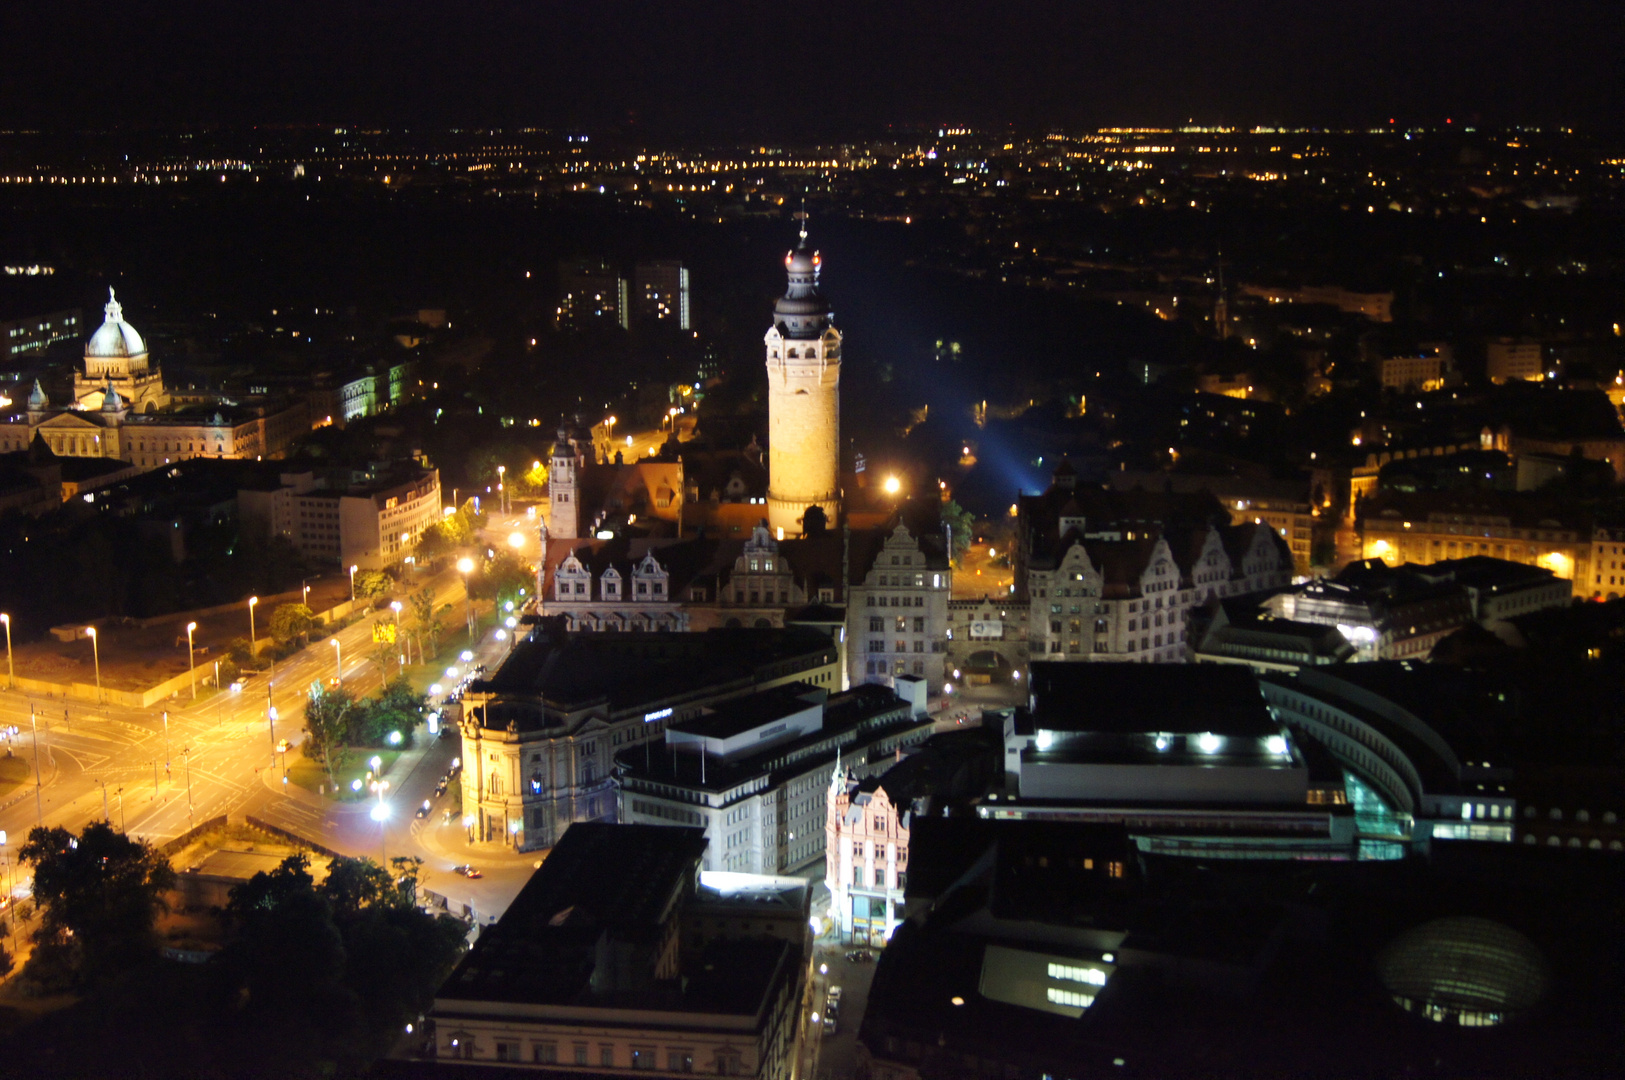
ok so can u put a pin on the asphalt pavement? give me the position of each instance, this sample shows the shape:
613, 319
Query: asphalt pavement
154, 779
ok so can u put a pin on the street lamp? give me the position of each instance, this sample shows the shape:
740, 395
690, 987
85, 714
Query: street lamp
353, 569
11, 670
338, 660
191, 671
186, 751
502, 488
96, 651
304, 594
380, 814
400, 640
465, 565
253, 649
166, 745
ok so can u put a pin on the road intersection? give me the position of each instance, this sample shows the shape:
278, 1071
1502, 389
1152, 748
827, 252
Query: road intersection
154, 773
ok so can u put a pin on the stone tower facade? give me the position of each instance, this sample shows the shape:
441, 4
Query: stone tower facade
564, 484
803, 399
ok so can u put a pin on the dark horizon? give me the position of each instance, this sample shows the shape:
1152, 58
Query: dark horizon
788, 71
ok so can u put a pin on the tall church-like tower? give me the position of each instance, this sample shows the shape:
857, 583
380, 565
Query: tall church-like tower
803, 399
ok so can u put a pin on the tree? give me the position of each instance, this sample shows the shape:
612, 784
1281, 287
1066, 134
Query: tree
371, 583
423, 613
503, 577
327, 722
290, 621
960, 523
102, 892
532, 483
348, 961
241, 653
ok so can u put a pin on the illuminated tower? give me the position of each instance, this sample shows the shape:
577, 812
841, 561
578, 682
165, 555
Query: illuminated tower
803, 399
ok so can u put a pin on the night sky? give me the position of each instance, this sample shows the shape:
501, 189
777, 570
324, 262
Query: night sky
811, 67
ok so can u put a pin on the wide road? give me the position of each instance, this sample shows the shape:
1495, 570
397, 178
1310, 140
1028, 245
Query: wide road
158, 772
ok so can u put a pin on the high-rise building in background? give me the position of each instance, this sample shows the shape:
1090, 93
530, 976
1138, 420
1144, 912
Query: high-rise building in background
660, 293
803, 399
591, 292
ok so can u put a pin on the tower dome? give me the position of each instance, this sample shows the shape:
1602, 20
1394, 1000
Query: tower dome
111, 402
37, 401
802, 312
115, 338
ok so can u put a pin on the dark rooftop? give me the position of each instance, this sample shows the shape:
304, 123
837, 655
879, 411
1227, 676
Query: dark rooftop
572, 669
622, 879
730, 718
1137, 698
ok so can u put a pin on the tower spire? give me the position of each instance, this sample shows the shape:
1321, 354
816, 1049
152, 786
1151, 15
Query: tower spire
801, 216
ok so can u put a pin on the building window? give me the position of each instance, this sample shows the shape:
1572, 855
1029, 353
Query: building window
680, 1061
581, 1053
542, 1054
508, 1051
643, 1057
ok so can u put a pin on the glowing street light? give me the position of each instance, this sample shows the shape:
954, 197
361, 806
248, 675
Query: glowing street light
190, 627
11, 670
338, 660
516, 540
892, 485
252, 640
96, 651
353, 569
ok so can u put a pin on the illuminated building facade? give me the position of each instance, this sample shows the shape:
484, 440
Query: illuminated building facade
867, 864
804, 405
591, 294
25, 333
660, 293
372, 525
541, 733
1112, 576
754, 772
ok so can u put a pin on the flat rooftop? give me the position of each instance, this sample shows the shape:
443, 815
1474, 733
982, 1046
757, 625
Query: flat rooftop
735, 717
573, 669
1133, 699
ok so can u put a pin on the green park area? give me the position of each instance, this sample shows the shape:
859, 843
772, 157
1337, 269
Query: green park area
349, 765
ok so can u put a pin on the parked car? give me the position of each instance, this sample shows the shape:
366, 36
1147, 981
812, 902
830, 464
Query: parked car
440, 787
467, 871
423, 811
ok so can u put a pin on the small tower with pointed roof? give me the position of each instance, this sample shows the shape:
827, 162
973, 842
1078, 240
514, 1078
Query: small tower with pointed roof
38, 402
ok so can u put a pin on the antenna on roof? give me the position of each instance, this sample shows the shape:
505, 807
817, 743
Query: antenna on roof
801, 216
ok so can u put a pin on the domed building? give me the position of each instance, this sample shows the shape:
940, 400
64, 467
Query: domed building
121, 410
1463, 970
115, 355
